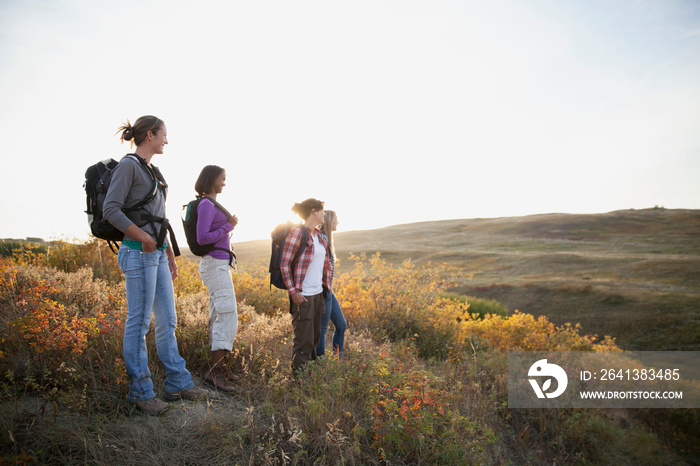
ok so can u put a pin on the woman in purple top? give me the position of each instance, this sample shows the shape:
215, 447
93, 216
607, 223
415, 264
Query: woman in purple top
214, 226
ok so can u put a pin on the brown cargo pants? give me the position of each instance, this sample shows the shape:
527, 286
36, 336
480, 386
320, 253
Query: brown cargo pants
306, 321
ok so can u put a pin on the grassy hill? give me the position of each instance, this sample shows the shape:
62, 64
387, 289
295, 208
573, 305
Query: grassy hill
632, 274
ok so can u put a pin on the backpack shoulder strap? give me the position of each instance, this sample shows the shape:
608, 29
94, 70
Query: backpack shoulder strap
303, 245
153, 174
218, 206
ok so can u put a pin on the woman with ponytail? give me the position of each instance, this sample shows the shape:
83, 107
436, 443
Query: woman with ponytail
149, 267
307, 280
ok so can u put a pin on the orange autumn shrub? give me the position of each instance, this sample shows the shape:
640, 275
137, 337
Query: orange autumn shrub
252, 285
526, 333
374, 287
8, 295
48, 326
29, 253
94, 254
60, 332
401, 303
188, 281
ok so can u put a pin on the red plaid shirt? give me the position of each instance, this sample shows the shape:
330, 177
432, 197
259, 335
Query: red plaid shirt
291, 245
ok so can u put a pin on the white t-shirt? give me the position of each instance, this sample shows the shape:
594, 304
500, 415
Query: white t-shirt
313, 280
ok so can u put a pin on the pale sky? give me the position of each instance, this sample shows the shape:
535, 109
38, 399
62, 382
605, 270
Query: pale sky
389, 111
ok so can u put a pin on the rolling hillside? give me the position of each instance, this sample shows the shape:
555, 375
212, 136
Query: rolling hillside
632, 274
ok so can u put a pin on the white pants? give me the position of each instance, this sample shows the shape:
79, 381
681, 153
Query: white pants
223, 317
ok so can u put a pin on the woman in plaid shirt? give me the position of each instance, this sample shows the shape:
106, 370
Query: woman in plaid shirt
307, 280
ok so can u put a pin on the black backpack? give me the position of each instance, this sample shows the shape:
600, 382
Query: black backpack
189, 224
97, 180
279, 234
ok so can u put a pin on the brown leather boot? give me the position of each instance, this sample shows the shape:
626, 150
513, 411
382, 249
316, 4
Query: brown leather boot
216, 377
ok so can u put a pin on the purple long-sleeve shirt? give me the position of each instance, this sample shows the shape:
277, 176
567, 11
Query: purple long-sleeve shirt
213, 227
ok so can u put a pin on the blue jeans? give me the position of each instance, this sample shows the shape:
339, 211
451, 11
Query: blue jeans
149, 290
334, 314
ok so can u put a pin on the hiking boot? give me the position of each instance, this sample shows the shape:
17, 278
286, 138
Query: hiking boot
190, 394
216, 378
152, 406
231, 377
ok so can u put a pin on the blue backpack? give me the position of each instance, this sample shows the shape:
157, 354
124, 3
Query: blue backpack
279, 234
